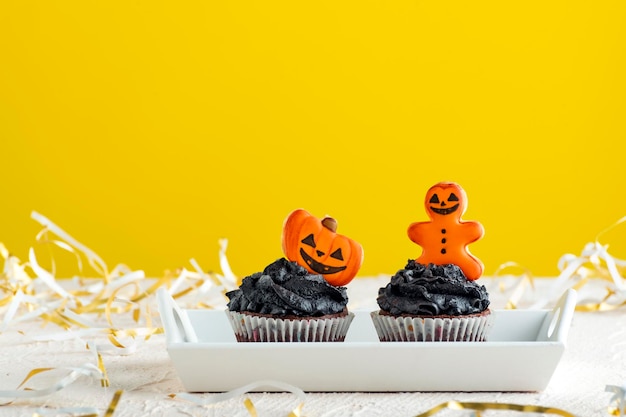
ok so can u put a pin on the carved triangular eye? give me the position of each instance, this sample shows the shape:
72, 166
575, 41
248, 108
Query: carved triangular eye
337, 254
309, 240
434, 199
453, 197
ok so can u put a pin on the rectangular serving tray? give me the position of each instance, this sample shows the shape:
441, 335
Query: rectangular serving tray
521, 354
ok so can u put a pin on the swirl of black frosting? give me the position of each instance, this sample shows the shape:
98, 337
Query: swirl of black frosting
285, 288
432, 290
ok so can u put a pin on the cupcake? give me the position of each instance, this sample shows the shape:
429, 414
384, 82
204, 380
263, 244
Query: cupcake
285, 303
435, 303
435, 298
300, 298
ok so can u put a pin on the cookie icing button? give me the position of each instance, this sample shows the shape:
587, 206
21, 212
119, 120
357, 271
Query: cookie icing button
315, 244
445, 237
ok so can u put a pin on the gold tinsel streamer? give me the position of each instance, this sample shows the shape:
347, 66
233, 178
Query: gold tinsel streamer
597, 276
595, 267
83, 412
517, 289
28, 291
113, 405
483, 406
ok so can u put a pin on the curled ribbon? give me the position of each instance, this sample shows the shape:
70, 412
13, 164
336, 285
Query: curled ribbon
477, 407
217, 398
517, 289
96, 371
83, 411
94, 260
117, 292
89, 370
597, 276
617, 403
28, 291
120, 291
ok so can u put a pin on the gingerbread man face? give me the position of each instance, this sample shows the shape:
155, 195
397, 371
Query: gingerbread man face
445, 237
446, 199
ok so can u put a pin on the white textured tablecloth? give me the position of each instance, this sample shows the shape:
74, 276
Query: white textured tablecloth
595, 357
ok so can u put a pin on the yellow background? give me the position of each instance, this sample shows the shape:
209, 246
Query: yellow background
150, 129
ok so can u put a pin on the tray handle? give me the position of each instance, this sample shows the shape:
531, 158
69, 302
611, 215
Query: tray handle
175, 321
556, 324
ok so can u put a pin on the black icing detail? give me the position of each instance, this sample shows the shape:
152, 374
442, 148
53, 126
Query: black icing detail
432, 290
319, 267
338, 254
434, 199
445, 211
453, 197
309, 240
286, 288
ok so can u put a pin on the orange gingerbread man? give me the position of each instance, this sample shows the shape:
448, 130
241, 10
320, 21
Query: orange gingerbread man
445, 237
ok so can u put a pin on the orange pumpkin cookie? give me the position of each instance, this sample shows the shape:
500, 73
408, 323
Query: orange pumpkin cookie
445, 237
315, 245
299, 298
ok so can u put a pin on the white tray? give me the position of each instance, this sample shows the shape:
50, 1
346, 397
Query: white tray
521, 354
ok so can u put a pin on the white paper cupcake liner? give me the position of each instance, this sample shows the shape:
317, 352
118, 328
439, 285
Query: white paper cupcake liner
252, 328
472, 328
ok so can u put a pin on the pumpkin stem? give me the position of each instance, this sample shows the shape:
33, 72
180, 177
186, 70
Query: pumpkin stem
330, 223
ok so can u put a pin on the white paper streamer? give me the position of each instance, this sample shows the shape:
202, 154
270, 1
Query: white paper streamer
88, 370
45, 276
229, 279
593, 268
254, 386
617, 403
13, 269
94, 260
10, 312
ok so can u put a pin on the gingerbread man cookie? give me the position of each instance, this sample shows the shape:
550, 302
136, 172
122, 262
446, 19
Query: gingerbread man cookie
445, 237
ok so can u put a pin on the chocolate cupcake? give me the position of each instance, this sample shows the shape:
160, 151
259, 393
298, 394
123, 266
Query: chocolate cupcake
432, 303
286, 303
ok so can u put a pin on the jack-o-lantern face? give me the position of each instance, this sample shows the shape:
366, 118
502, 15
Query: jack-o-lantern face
444, 199
314, 244
316, 266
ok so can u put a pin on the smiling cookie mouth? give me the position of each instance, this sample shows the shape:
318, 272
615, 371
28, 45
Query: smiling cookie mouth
319, 267
444, 211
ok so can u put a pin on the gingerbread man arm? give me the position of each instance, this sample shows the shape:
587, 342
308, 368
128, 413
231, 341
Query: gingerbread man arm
472, 231
417, 232
472, 266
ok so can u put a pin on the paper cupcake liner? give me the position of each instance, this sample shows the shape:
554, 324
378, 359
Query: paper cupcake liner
473, 328
253, 328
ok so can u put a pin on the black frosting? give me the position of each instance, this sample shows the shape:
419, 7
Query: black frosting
432, 290
285, 288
